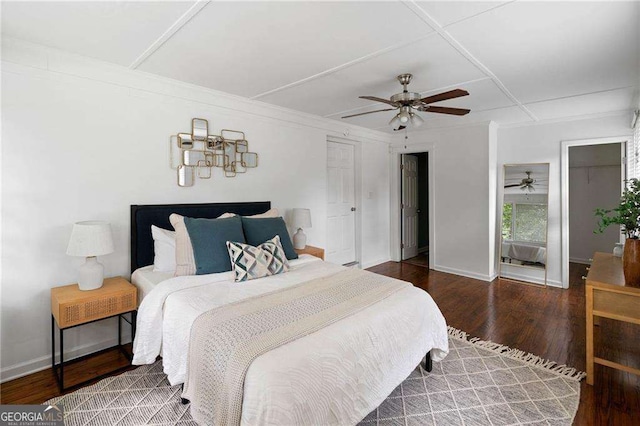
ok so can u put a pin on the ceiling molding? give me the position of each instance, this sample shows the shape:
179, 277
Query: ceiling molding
345, 65
186, 17
71, 67
581, 94
566, 119
422, 14
479, 13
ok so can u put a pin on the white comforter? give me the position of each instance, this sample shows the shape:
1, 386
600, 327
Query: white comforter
334, 376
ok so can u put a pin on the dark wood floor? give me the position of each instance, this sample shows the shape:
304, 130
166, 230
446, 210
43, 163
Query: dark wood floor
547, 322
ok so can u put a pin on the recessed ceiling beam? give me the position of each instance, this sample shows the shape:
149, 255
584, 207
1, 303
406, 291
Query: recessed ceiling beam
427, 19
343, 66
186, 17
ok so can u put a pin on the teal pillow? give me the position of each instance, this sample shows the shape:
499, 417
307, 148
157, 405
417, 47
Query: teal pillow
209, 241
260, 230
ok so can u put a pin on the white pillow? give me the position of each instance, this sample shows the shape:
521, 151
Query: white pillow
164, 248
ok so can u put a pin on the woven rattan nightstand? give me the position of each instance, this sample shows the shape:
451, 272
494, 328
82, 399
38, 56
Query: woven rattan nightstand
313, 251
71, 307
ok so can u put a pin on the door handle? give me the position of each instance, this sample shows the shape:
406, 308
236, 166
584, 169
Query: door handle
353, 209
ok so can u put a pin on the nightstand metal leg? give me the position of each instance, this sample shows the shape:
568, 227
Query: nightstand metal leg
120, 330
61, 359
134, 318
53, 344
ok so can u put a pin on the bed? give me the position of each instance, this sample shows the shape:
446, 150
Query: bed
335, 375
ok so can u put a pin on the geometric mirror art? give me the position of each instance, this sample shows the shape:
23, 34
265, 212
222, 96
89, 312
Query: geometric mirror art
199, 152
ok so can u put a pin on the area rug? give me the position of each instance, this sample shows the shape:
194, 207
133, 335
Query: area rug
478, 383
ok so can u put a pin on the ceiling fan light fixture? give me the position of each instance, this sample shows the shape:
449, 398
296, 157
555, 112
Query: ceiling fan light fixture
416, 120
404, 115
395, 122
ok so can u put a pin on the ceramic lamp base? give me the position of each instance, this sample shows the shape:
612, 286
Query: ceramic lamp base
299, 240
91, 274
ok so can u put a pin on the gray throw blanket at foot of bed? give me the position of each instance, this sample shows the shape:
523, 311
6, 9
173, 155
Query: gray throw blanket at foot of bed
225, 340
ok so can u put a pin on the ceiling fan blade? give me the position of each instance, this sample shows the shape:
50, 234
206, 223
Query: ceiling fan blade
400, 128
376, 99
446, 110
512, 185
369, 112
451, 94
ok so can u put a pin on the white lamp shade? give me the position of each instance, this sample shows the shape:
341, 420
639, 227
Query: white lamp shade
395, 122
301, 218
91, 238
416, 120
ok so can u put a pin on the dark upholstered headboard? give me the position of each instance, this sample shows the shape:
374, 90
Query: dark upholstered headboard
143, 216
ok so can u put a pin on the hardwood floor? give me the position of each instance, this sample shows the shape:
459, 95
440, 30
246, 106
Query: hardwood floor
547, 322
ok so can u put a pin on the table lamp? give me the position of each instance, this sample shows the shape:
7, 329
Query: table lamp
301, 218
90, 239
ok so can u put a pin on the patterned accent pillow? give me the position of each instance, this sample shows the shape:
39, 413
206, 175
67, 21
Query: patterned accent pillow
249, 262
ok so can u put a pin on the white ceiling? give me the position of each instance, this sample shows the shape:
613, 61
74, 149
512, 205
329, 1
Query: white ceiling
521, 61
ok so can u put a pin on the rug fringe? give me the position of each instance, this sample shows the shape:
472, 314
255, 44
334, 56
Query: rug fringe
529, 358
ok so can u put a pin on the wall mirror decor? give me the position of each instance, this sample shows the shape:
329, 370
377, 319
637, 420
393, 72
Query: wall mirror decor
523, 236
200, 152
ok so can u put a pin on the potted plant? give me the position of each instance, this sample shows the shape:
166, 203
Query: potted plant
627, 216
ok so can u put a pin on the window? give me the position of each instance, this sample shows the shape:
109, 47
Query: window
524, 222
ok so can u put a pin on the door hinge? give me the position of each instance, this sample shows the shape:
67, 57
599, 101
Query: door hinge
402, 206
401, 245
401, 166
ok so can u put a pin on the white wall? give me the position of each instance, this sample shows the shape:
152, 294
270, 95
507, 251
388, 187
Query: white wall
541, 143
594, 182
84, 140
462, 193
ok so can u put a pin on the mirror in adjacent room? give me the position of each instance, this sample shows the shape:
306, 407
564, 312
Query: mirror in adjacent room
523, 241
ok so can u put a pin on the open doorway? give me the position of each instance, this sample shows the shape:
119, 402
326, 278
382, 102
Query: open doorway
593, 176
414, 205
596, 180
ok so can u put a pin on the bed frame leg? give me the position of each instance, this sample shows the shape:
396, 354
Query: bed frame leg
428, 364
184, 401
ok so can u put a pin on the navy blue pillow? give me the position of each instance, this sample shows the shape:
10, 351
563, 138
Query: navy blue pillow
260, 230
209, 241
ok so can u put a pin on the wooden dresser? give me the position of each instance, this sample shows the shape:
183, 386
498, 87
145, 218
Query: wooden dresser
607, 296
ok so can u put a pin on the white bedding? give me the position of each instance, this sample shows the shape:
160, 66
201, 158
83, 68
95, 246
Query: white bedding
145, 279
334, 376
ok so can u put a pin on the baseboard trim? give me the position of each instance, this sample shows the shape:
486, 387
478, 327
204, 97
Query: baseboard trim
423, 249
375, 263
554, 283
463, 273
534, 280
25, 368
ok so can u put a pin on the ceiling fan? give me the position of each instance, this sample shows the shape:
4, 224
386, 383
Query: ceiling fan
525, 183
407, 102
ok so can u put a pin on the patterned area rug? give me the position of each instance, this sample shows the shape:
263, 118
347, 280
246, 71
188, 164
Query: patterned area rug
478, 383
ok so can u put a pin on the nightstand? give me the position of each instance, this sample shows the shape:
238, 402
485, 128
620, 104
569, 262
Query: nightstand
72, 307
313, 251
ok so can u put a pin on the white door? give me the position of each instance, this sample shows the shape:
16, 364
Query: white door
341, 208
409, 206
